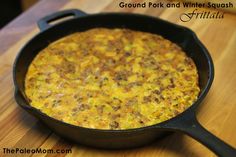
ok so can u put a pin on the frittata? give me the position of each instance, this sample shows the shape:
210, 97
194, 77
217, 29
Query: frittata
112, 79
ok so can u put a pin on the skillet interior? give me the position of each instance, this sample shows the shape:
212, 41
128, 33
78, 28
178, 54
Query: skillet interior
111, 139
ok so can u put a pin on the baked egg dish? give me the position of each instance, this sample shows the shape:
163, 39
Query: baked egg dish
112, 79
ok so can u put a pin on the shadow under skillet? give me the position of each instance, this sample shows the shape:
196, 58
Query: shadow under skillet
173, 144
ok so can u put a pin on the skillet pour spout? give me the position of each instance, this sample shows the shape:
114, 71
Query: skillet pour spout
185, 122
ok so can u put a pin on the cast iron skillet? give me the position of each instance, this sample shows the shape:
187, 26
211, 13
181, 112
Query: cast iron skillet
186, 122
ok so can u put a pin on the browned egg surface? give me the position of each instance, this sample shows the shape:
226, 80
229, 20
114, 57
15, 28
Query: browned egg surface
112, 79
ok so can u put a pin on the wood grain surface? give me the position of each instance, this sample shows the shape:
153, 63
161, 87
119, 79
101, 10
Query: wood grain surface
18, 129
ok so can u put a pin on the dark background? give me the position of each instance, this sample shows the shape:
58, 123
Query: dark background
9, 9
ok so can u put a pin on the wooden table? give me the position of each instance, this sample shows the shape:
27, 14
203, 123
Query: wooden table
217, 113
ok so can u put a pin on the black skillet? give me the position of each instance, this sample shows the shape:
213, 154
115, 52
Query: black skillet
185, 122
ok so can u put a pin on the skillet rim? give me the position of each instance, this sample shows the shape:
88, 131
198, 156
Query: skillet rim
162, 125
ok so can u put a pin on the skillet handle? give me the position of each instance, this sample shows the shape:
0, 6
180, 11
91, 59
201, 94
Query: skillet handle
44, 23
190, 125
